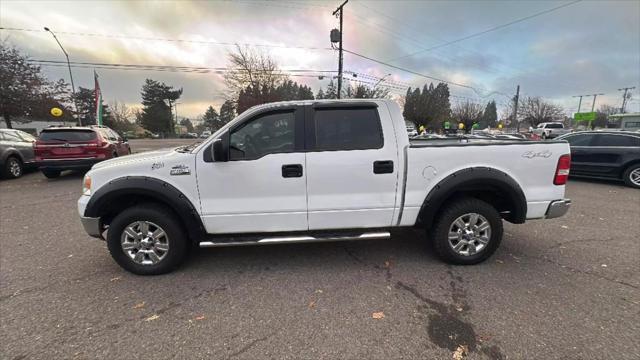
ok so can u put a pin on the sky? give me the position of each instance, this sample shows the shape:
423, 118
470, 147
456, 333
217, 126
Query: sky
586, 47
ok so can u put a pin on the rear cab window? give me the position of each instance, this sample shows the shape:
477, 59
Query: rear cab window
356, 128
67, 135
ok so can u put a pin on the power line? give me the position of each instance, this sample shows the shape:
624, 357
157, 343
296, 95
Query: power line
133, 37
488, 30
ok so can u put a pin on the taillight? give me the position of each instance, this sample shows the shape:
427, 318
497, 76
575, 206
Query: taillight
562, 170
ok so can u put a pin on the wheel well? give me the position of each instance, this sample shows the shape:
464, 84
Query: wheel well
122, 202
14, 154
627, 166
489, 185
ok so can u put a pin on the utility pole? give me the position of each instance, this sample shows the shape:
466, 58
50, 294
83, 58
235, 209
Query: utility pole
593, 105
580, 102
515, 108
73, 87
624, 97
341, 11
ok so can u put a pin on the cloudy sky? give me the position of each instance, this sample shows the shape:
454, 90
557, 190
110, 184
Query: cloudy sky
585, 47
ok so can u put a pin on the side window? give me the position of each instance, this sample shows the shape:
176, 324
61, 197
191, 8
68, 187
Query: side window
579, 140
616, 140
348, 129
267, 134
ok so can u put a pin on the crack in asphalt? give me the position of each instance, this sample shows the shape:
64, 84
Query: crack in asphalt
251, 344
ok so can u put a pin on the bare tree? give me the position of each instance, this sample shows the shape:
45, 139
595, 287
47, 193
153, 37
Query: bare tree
251, 67
467, 113
536, 110
121, 112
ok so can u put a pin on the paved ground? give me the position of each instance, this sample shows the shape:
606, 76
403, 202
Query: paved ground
567, 288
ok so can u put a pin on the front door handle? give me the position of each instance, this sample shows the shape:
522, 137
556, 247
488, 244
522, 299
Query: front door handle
291, 170
383, 167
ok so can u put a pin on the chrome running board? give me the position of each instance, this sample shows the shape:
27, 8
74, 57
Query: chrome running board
379, 235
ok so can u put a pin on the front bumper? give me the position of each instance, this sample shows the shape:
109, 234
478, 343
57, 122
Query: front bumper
558, 208
92, 226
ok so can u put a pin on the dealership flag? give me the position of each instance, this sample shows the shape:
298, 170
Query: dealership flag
98, 100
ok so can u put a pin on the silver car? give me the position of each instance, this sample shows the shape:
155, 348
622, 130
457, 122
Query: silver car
16, 152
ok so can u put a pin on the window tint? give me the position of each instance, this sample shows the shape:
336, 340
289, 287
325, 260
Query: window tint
554, 126
267, 134
579, 140
347, 129
616, 140
67, 135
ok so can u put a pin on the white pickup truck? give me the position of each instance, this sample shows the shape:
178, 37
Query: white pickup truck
550, 130
311, 171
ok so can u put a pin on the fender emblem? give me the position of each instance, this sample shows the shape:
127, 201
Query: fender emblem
180, 170
532, 154
157, 165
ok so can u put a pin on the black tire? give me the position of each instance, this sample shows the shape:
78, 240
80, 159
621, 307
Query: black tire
544, 136
163, 218
440, 231
51, 174
635, 168
13, 168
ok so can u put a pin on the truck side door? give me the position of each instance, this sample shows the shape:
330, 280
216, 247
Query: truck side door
262, 188
352, 167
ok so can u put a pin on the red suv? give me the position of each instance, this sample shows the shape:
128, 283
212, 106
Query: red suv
76, 148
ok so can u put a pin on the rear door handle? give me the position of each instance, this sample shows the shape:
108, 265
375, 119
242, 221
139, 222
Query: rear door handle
291, 170
383, 167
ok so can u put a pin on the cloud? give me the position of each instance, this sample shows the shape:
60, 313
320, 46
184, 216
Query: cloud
587, 47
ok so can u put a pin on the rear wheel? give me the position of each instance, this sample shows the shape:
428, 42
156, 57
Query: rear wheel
631, 176
12, 168
51, 174
468, 231
147, 240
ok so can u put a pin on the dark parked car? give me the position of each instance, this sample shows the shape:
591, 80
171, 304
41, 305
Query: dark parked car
606, 155
77, 148
16, 152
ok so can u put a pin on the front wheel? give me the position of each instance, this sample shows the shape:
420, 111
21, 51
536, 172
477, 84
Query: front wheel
147, 240
631, 176
468, 231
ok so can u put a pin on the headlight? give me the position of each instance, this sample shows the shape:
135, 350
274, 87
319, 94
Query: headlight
86, 185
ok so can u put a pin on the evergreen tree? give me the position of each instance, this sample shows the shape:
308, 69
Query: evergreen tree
211, 119
320, 94
227, 112
188, 124
490, 116
157, 100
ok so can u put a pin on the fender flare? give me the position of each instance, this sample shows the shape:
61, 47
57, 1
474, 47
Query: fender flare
478, 179
149, 187
11, 152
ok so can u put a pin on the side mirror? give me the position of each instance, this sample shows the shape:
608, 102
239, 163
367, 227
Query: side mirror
218, 151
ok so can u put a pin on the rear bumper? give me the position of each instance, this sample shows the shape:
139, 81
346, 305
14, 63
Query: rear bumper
558, 208
68, 164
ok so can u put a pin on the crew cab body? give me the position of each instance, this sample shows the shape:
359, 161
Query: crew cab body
315, 171
550, 130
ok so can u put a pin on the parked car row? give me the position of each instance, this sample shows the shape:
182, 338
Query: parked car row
58, 148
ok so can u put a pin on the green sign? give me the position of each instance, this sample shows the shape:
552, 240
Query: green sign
447, 125
475, 126
585, 116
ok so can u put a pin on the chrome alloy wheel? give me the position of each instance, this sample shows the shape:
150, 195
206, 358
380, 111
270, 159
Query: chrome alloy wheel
469, 234
145, 242
14, 167
634, 177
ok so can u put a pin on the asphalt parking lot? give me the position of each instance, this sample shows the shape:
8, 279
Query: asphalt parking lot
567, 288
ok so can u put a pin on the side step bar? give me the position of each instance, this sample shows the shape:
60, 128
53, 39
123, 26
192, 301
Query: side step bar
297, 239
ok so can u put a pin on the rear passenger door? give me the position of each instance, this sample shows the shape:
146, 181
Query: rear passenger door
351, 166
608, 152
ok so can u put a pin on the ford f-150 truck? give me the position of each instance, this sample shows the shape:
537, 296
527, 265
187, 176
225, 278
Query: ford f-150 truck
309, 171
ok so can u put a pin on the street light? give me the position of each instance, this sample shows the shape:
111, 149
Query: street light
73, 87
